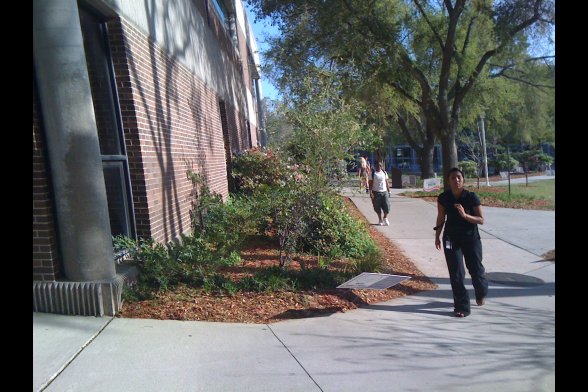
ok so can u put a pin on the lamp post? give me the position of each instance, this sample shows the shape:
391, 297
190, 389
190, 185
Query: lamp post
508, 166
483, 139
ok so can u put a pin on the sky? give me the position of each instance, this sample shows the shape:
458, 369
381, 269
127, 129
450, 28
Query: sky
260, 29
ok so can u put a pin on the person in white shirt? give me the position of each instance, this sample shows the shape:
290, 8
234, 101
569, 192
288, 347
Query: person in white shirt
380, 192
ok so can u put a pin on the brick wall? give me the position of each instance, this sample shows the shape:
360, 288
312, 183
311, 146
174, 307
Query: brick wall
45, 252
172, 123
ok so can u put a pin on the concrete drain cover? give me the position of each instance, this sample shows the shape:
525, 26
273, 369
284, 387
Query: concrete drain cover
513, 279
373, 281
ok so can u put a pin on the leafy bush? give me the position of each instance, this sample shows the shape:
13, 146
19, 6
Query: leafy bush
227, 225
333, 232
371, 261
279, 279
259, 166
284, 204
534, 159
315, 278
158, 271
268, 279
469, 168
504, 162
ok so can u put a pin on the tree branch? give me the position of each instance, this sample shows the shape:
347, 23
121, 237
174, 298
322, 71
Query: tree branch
503, 75
454, 14
406, 132
478, 69
435, 33
405, 93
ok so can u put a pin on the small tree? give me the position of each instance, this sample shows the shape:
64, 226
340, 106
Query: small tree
469, 168
327, 128
472, 149
534, 160
505, 162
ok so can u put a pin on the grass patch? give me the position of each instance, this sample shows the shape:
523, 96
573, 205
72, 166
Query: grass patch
538, 195
544, 189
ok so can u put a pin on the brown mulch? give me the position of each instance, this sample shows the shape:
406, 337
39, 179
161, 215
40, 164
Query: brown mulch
261, 308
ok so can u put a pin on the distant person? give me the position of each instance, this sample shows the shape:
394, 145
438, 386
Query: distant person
380, 193
364, 173
461, 240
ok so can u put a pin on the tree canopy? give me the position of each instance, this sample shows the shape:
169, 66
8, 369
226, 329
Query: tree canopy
432, 61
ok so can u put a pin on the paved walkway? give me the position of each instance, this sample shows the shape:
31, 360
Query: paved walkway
406, 344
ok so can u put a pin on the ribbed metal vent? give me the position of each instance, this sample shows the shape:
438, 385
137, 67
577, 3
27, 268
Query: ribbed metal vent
97, 298
73, 298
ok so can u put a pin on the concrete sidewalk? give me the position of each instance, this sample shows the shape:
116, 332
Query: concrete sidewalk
406, 344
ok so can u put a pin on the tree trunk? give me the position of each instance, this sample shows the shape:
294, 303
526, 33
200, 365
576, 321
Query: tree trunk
422, 141
449, 155
426, 160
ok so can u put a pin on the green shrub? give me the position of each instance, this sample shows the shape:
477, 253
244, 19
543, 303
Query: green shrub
333, 232
504, 162
371, 261
315, 278
227, 225
259, 166
268, 279
158, 271
220, 284
469, 168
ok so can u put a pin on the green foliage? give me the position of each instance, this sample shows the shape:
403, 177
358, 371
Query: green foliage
370, 261
288, 208
327, 128
469, 168
278, 279
268, 279
219, 231
212, 218
227, 225
334, 233
277, 127
534, 159
278, 198
504, 162
158, 271
260, 166
315, 278
442, 60
293, 203
530, 118
220, 284
201, 199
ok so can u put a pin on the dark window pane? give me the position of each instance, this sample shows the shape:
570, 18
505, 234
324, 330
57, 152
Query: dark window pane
114, 179
100, 82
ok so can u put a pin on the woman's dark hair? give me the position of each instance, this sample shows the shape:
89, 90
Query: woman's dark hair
453, 170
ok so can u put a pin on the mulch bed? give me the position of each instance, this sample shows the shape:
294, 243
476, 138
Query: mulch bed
186, 303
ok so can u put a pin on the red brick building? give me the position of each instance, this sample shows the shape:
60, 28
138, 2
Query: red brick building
128, 96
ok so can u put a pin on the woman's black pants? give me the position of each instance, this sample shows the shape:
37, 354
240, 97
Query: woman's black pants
471, 251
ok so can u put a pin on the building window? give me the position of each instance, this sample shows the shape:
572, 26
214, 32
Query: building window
108, 124
221, 10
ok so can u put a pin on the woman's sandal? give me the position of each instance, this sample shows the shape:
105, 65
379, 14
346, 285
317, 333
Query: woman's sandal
460, 314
